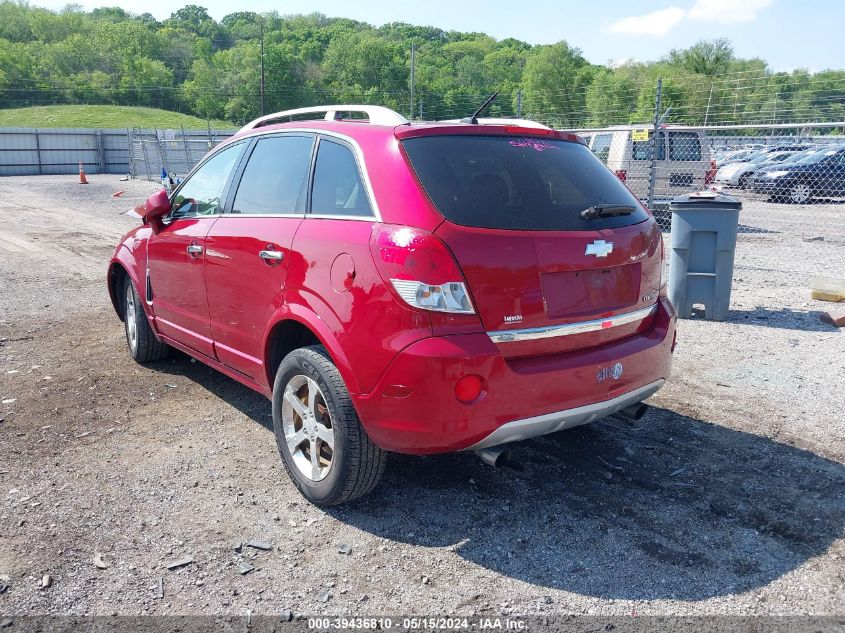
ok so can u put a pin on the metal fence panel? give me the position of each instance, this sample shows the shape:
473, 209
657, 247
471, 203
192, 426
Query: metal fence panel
141, 153
175, 151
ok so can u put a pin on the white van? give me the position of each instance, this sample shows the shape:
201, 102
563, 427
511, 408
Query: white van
683, 162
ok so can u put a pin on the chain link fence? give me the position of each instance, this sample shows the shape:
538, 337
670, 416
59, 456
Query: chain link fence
174, 151
762, 166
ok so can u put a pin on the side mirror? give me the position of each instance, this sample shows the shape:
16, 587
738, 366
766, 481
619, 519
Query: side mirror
156, 207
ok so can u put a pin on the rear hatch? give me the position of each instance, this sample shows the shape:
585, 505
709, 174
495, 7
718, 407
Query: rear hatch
557, 253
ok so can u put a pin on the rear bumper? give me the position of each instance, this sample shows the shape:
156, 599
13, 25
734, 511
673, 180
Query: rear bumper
413, 408
566, 419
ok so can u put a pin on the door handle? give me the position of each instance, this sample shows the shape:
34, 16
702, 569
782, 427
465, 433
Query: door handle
271, 256
194, 249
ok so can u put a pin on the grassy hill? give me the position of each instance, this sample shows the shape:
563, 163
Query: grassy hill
103, 116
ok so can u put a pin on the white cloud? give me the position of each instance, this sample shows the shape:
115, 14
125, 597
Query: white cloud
655, 23
660, 22
727, 11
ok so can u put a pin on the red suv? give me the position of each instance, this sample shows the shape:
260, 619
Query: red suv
396, 286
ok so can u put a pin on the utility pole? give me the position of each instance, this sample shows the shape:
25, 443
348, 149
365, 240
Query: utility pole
519, 104
261, 80
709, 100
652, 176
413, 62
421, 110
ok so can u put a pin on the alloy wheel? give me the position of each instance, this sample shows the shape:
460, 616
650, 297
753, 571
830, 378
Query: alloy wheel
308, 428
130, 318
800, 194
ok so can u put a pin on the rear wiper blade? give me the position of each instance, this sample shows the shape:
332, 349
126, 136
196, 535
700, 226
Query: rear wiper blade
607, 211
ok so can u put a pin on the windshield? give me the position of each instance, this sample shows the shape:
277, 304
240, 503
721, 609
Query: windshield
820, 155
777, 157
800, 156
523, 183
754, 155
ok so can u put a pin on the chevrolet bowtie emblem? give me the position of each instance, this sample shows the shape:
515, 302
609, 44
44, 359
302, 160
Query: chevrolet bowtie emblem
599, 248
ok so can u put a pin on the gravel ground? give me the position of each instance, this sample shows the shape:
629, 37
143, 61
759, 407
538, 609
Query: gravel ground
726, 499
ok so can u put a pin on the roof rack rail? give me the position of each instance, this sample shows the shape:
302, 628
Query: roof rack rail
494, 121
377, 115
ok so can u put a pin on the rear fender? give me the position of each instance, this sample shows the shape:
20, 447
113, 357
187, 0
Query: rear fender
318, 325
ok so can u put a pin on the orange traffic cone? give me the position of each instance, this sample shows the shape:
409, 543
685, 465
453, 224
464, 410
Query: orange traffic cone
82, 179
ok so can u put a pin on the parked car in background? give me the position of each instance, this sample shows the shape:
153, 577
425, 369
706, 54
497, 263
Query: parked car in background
683, 160
821, 174
775, 163
397, 286
737, 174
724, 158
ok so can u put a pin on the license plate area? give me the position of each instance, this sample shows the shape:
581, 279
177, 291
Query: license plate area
595, 291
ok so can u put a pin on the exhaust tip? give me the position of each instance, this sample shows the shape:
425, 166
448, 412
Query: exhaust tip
495, 456
634, 411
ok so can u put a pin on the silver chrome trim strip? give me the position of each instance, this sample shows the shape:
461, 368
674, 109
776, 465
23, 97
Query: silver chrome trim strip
559, 420
565, 329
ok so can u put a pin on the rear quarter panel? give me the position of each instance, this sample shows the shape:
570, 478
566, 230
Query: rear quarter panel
333, 276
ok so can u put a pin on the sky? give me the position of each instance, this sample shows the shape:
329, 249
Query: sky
788, 34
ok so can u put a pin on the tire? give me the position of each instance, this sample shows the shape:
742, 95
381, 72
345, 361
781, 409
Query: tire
800, 193
743, 182
348, 467
144, 347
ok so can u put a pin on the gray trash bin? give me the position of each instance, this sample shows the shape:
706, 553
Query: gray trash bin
701, 263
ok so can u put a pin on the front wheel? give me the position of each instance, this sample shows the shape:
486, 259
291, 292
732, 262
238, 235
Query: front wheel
143, 344
324, 448
800, 193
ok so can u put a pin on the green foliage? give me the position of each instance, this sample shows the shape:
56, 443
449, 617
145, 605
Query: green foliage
103, 116
556, 78
190, 62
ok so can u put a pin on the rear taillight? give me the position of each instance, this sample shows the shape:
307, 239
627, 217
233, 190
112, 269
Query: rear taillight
420, 269
621, 174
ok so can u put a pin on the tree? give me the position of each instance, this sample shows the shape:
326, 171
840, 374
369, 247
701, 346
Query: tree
611, 98
555, 81
709, 58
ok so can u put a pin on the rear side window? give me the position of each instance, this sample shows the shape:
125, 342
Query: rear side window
337, 188
601, 146
684, 146
521, 183
275, 177
642, 149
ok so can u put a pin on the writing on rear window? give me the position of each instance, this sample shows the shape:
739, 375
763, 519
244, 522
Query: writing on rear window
535, 144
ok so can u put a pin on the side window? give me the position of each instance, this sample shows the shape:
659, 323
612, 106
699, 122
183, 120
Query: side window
601, 146
275, 177
684, 146
642, 151
337, 187
202, 193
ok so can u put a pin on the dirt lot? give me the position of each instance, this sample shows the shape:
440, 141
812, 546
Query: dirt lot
728, 498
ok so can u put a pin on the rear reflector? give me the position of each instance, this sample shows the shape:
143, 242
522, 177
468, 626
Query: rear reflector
469, 388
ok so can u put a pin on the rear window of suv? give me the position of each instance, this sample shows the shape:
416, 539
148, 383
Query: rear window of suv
522, 183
